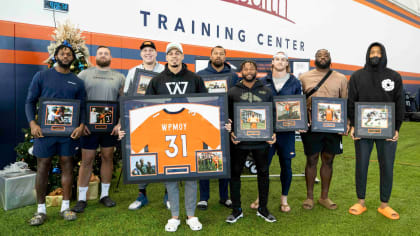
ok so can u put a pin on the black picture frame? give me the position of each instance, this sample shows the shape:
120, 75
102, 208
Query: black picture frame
106, 116
374, 120
329, 115
217, 83
171, 132
290, 113
58, 117
253, 121
141, 80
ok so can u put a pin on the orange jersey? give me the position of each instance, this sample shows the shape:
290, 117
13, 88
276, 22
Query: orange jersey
329, 115
175, 137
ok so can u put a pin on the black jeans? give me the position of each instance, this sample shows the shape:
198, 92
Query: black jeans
386, 156
237, 164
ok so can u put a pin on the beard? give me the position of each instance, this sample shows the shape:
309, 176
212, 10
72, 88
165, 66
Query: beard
217, 63
249, 80
61, 63
103, 63
323, 65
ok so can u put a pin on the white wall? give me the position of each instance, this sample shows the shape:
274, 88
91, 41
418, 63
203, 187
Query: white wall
344, 27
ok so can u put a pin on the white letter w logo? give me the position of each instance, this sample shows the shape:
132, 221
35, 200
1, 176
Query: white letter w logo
176, 87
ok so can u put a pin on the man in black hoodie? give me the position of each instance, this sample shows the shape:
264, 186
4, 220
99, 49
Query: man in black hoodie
250, 90
375, 83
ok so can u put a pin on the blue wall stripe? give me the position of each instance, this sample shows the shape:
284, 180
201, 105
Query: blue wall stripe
6, 42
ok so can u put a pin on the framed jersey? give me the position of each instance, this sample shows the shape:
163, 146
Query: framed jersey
102, 116
58, 117
176, 137
141, 81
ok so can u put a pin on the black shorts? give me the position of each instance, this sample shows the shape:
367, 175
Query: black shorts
93, 141
314, 142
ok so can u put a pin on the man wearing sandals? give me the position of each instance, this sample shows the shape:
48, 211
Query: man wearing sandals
57, 82
375, 83
177, 79
282, 83
315, 143
102, 84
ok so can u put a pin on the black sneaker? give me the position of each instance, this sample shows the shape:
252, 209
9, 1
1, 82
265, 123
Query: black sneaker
263, 213
227, 203
236, 214
80, 207
107, 201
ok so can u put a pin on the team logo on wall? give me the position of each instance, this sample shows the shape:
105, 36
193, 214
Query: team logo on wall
388, 85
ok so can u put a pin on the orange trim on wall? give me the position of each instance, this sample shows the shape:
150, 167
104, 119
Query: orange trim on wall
398, 9
7, 28
411, 82
387, 13
31, 58
7, 56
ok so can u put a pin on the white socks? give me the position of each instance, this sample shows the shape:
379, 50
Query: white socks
104, 190
65, 204
42, 208
82, 193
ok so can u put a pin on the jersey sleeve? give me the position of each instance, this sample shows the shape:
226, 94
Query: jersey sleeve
139, 138
34, 92
210, 134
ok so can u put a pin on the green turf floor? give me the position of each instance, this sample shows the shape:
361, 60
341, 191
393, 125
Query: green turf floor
151, 219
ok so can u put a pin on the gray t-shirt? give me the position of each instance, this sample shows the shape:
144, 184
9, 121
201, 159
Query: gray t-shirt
103, 85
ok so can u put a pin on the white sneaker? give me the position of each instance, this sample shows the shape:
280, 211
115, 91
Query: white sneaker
194, 224
168, 205
172, 225
135, 205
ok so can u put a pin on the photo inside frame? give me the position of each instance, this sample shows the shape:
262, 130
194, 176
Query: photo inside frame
143, 83
329, 112
101, 114
253, 119
59, 115
374, 118
209, 161
288, 110
143, 165
216, 86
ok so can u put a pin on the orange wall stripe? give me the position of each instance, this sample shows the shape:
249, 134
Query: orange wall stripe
387, 13
7, 28
411, 82
7, 56
31, 58
398, 9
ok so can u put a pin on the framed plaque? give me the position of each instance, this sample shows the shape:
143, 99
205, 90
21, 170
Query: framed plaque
253, 121
102, 116
58, 117
217, 83
178, 137
141, 81
290, 113
329, 115
374, 120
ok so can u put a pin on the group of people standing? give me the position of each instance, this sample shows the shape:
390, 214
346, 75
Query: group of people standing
103, 83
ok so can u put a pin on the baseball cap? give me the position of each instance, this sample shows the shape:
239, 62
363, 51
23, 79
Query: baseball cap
147, 44
172, 46
281, 54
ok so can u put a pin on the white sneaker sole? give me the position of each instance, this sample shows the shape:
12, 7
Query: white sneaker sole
236, 219
265, 218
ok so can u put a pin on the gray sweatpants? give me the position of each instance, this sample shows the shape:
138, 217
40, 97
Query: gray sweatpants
190, 196
386, 156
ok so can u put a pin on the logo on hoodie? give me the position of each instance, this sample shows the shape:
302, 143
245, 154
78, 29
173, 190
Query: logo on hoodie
388, 85
176, 87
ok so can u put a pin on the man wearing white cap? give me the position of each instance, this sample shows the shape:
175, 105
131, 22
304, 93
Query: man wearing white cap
177, 79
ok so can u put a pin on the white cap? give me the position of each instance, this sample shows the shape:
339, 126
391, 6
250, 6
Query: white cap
172, 46
281, 55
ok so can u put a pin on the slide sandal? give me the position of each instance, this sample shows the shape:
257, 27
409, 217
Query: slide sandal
357, 209
389, 213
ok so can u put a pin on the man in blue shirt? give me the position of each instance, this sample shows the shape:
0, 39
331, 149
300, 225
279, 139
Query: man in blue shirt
57, 82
